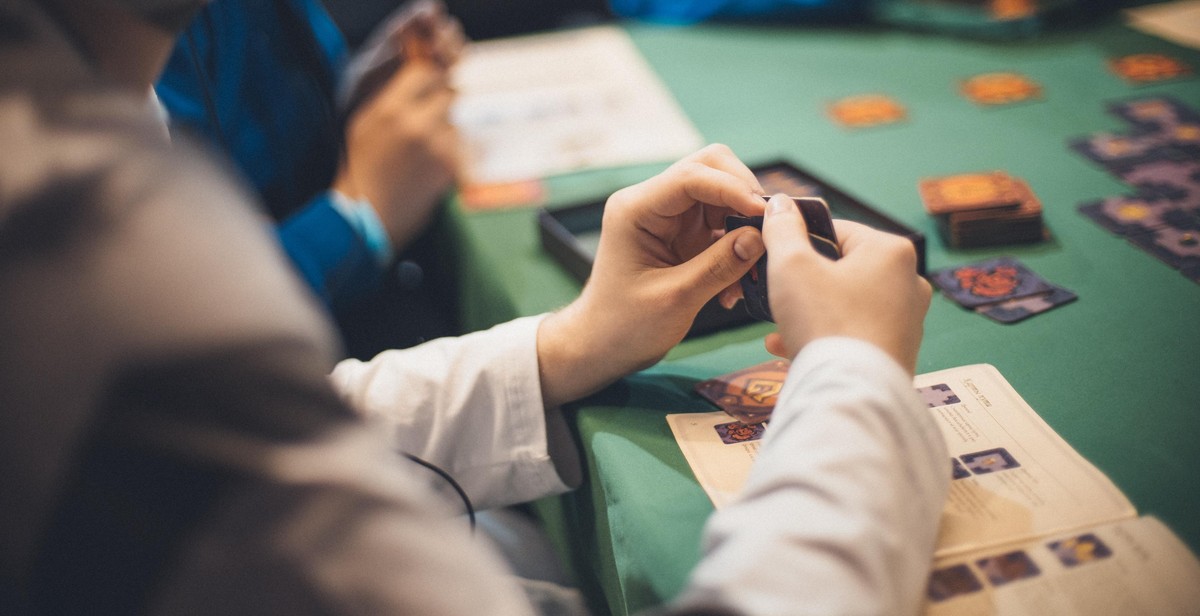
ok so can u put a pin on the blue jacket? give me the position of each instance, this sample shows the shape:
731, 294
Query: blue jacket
256, 79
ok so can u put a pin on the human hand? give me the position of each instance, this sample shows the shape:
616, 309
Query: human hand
401, 149
663, 254
872, 293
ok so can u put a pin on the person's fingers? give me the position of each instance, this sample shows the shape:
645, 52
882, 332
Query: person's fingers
784, 231
774, 345
720, 156
721, 265
686, 184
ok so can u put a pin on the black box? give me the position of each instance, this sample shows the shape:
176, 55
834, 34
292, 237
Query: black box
572, 233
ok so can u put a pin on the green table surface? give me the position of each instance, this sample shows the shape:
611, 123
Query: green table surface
1116, 374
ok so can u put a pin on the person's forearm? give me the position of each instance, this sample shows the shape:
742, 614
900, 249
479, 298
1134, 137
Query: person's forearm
841, 510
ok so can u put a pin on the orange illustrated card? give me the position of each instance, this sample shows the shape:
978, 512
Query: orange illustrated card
748, 395
508, 194
1148, 67
999, 88
864, 110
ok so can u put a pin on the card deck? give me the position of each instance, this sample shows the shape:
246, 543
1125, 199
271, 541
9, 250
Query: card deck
748, 395
820, 233
865, 110
1019, 309
983, 209
989, 282
969, 191
999, 88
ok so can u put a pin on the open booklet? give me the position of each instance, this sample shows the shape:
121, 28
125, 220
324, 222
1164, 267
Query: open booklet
1029, 527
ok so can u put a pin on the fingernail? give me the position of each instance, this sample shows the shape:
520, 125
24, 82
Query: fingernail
779, 204
748, 246
727, 300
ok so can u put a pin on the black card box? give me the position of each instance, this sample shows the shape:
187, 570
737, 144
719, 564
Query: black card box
571, 233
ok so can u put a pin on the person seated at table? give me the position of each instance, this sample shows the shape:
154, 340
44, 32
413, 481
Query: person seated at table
179, 445
351, 188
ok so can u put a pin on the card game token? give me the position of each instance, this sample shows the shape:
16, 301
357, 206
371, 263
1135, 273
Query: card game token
736, 432
989, 282
866, 110
1013, 310
748, 395
999, 88
969, 191
1148, 67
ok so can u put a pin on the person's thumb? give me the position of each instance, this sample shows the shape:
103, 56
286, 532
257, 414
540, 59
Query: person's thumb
722, 263
784, 229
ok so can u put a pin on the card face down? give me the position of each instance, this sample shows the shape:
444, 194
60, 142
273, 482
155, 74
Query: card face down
820, 233
748, 395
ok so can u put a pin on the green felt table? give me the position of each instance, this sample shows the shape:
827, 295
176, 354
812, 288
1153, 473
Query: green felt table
1116, 373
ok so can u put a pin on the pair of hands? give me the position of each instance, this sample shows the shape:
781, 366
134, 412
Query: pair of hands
401, 149
663, 254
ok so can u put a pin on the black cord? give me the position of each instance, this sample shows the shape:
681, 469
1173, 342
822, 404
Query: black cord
450, 480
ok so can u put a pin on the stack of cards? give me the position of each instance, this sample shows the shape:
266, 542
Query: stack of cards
1002, 289
748, 395
983, 209
1160, 158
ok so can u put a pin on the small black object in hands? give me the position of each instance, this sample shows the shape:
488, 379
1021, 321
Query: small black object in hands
820, 233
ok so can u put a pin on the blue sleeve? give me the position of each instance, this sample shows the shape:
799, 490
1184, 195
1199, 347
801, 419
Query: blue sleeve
327, 252
693, 11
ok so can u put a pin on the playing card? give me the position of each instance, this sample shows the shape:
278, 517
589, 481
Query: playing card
749, 394
382, 53
1175, 181
1013, 310
1154, 113
1148, 67
820, 234
999, 88
971, 191
1116, 151
1179, 248
864, 110
1128, 215
989, 282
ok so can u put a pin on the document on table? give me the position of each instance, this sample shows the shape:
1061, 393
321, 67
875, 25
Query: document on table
1178, 22
534, 106
1029, 525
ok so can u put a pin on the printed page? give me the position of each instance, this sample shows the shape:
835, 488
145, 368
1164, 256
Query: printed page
534, 106
1135, 566
719, 450
1015, 479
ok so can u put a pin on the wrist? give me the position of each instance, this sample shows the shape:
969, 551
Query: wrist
572, 360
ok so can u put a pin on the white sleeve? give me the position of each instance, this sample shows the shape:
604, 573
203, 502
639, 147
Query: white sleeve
841, 510
472, 405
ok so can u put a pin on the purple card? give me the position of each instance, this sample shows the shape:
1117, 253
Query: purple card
1128, 215
1179, 248
1115, 151
989, 282
1155, 112
1177, 181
